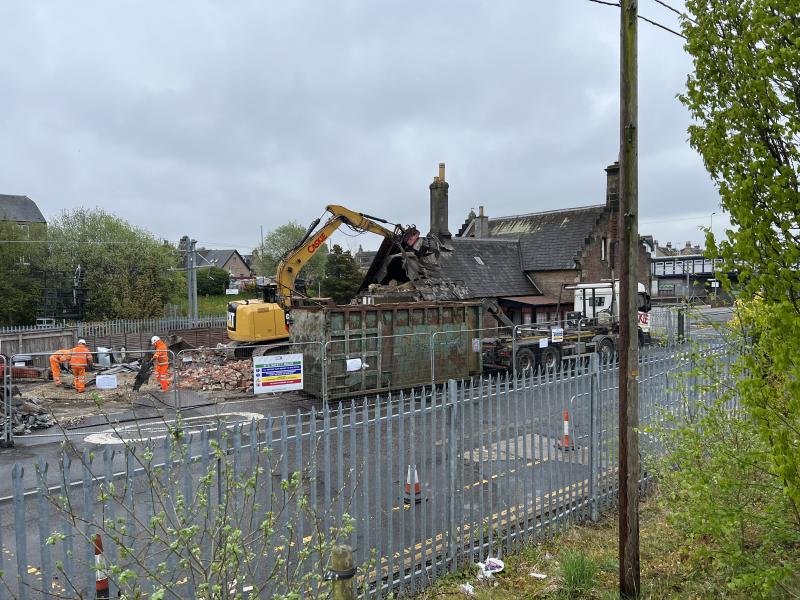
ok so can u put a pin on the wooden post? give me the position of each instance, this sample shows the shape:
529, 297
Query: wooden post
629, 580
342, 571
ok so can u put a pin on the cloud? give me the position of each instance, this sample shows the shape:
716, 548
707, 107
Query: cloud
213, 118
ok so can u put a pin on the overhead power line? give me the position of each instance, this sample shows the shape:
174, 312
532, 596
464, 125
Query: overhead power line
643, 18
675, 10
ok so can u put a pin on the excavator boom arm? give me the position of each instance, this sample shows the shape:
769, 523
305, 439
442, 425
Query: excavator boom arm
291, 264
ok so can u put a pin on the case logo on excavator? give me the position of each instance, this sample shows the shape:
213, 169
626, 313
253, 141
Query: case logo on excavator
312, 247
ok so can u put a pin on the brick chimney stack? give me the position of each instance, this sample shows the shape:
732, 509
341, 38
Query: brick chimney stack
439, 213
612, 186
612, 208
481, 224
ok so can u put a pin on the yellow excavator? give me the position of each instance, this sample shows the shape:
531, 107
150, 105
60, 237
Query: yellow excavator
268, 320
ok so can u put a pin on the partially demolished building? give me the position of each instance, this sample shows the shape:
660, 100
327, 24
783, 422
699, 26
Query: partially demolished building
521, 261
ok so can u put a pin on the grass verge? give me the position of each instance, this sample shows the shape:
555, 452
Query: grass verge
582, 563
214, 306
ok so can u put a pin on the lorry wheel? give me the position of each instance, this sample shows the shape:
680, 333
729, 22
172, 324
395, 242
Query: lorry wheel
526, 360
550, 359
606, 350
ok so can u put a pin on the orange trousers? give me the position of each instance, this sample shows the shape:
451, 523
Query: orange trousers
79, 378
55, 367
162, 377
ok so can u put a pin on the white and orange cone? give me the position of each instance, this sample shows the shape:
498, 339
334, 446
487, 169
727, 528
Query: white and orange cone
413, 492
101, 576
565, 442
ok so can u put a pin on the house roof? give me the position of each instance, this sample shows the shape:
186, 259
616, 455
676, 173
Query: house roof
216, 258
533, 300
551, 240
456, 269
20, 209
486, 267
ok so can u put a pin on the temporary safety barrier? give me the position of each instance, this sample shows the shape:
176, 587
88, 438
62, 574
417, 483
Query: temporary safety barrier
466, 345
486, 451
6, 436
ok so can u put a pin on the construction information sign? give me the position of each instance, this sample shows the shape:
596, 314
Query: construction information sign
277, 373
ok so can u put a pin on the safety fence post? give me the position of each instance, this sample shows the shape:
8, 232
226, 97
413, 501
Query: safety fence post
594, 437
7, 439
433, 359
452, 399
514, 351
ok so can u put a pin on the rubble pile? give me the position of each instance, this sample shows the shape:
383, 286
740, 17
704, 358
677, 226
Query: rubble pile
234, 375
27, 414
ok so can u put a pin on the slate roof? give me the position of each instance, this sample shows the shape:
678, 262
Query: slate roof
499, 275
20, 209
216, 258
551, 240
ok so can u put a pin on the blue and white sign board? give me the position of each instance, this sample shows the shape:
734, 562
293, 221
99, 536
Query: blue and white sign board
558, 334
277, 373
543, 342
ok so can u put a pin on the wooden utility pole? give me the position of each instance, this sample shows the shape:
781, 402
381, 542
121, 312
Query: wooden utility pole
629, 584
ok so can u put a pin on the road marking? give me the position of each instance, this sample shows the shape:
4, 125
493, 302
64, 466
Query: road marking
158, 430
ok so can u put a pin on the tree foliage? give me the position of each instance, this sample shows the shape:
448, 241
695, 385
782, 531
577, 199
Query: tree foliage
342, 276
20, 272
744, 94
212, 281
739, 477
129, 273
723, 489
278, 242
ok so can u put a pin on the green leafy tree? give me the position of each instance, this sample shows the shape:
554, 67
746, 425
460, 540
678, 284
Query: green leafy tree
745, 98
342, 276
20, 272
129, 273
212, 281
277, 243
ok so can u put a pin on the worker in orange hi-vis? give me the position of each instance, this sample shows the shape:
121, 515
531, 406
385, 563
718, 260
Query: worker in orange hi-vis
161, 362
81, 357
59, 360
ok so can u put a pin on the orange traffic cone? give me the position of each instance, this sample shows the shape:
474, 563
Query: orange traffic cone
564, 442
412, 495
101, 576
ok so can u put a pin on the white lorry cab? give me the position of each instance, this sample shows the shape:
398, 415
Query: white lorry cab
599, 303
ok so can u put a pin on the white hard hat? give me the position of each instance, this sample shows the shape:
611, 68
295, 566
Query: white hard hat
81, 341
154, 339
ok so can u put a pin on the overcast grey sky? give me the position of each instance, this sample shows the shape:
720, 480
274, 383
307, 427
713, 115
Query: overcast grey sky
215, 118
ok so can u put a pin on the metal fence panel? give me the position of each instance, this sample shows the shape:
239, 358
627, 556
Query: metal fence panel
500, 460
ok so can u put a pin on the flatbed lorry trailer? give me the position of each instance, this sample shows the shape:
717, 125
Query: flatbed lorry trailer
592, 327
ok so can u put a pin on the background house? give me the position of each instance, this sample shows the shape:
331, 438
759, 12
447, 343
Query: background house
230, 260
21, 210
685, 274
364, 258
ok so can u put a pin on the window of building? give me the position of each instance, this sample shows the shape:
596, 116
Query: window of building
598, 301
603, 243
